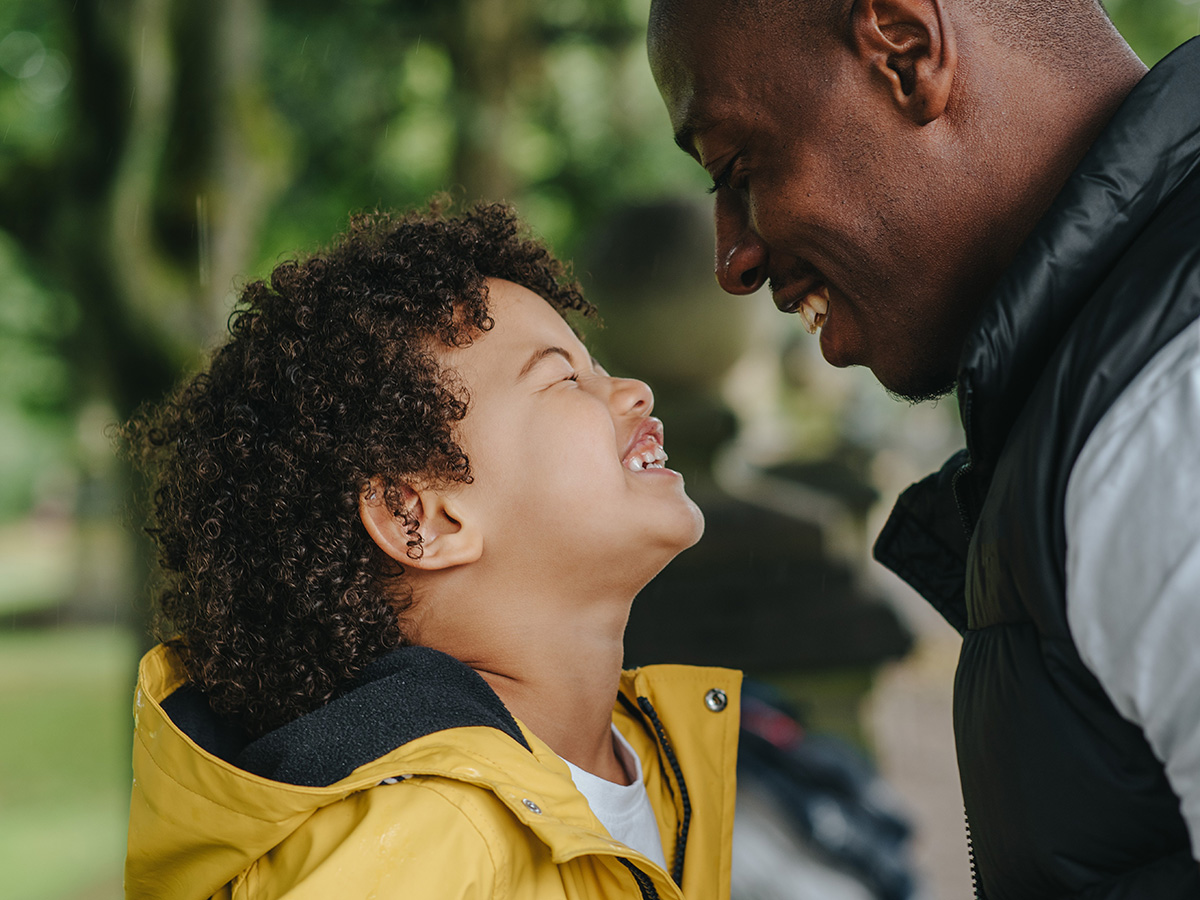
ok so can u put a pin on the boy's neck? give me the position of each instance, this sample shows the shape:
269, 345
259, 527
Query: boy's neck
565, 696
554, 661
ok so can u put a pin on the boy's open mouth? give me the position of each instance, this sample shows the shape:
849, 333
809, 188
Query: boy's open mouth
645, 450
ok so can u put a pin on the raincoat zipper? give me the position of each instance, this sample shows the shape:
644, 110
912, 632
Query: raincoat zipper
644, 883
645, 711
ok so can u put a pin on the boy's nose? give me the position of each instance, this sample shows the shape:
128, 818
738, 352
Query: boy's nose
631, 395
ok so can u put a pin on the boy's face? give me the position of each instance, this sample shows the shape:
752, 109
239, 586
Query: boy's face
566, 458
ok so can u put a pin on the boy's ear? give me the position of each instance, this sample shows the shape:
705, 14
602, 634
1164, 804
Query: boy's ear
447, 540
910, 44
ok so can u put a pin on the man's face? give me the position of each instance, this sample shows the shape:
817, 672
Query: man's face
569, 473
827, 192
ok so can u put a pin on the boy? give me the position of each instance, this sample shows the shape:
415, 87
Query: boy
401, 520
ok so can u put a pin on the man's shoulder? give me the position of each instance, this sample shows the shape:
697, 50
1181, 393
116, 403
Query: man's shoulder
1160, 407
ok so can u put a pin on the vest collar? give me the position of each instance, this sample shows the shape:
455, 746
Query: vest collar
1146, 151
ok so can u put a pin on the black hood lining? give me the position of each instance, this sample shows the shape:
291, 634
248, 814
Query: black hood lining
408, 694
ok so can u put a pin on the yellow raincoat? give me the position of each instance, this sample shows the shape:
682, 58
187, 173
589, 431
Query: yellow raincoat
474, 813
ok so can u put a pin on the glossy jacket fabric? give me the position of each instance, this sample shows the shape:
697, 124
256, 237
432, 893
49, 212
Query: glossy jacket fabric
1064, 797
470, 810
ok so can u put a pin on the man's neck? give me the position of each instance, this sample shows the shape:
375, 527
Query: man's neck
1027, 130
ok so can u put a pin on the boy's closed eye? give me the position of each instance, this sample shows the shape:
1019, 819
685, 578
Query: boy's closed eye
546, 355
543, 356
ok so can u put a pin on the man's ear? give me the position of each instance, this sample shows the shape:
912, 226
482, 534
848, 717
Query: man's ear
910, 44
447, 539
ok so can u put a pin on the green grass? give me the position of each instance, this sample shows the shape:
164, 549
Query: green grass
64, 762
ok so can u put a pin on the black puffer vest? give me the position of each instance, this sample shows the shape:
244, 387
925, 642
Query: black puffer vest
1064, 797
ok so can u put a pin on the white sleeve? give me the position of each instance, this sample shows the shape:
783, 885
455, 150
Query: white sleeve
1133, 561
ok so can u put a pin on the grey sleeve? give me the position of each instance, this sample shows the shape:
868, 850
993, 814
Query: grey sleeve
1133, 561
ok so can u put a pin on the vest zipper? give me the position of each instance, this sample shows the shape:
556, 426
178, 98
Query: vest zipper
644, 882
976, 889
966, 398
965, 515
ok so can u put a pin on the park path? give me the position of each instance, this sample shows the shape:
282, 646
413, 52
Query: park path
909, 718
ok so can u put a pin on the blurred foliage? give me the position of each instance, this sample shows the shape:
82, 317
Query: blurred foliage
550, 107
155, 152
35, 380
1155, 27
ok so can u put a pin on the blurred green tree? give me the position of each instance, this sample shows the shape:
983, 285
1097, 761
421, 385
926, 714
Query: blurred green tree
1155, 27
154, 151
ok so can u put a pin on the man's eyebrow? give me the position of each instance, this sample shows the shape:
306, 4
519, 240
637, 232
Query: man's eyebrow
539, 355
685, 139
685, 135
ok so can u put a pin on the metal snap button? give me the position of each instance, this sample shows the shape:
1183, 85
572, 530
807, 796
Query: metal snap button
716, 700
533, 807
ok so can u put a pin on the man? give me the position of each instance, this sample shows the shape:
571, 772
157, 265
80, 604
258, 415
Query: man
997, 196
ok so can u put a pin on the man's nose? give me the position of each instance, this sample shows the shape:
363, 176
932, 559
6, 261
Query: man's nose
741, 263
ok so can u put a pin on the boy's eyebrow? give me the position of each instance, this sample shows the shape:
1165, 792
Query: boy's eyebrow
542, 354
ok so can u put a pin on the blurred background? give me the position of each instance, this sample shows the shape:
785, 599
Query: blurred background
155, 154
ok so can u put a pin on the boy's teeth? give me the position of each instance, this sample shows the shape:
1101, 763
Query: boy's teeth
652, 457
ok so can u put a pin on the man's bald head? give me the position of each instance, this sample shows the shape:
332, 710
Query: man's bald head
1069, 35
1061, 33
665, 15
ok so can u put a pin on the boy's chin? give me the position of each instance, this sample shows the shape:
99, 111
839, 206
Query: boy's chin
691, 529
697, 529
655, 548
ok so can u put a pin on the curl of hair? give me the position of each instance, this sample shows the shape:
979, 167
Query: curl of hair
271, 589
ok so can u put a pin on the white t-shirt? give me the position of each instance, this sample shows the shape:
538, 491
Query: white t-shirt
624, 810
1133, 560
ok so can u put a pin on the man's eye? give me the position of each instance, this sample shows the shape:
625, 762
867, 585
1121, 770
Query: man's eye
724, 177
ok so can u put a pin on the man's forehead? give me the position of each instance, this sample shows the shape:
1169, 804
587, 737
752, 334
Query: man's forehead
715, 61
701, 74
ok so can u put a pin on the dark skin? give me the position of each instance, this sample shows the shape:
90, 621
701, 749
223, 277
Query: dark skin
881, 168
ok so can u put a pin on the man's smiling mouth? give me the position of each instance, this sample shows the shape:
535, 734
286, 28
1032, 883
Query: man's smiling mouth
808, 298
645, 450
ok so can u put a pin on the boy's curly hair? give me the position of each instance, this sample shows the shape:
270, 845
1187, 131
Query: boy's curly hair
273, 593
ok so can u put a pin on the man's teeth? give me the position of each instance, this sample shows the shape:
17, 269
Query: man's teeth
813, 308
650, 458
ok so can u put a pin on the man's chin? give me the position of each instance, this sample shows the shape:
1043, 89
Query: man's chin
922, 390
914, 384
923, 397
